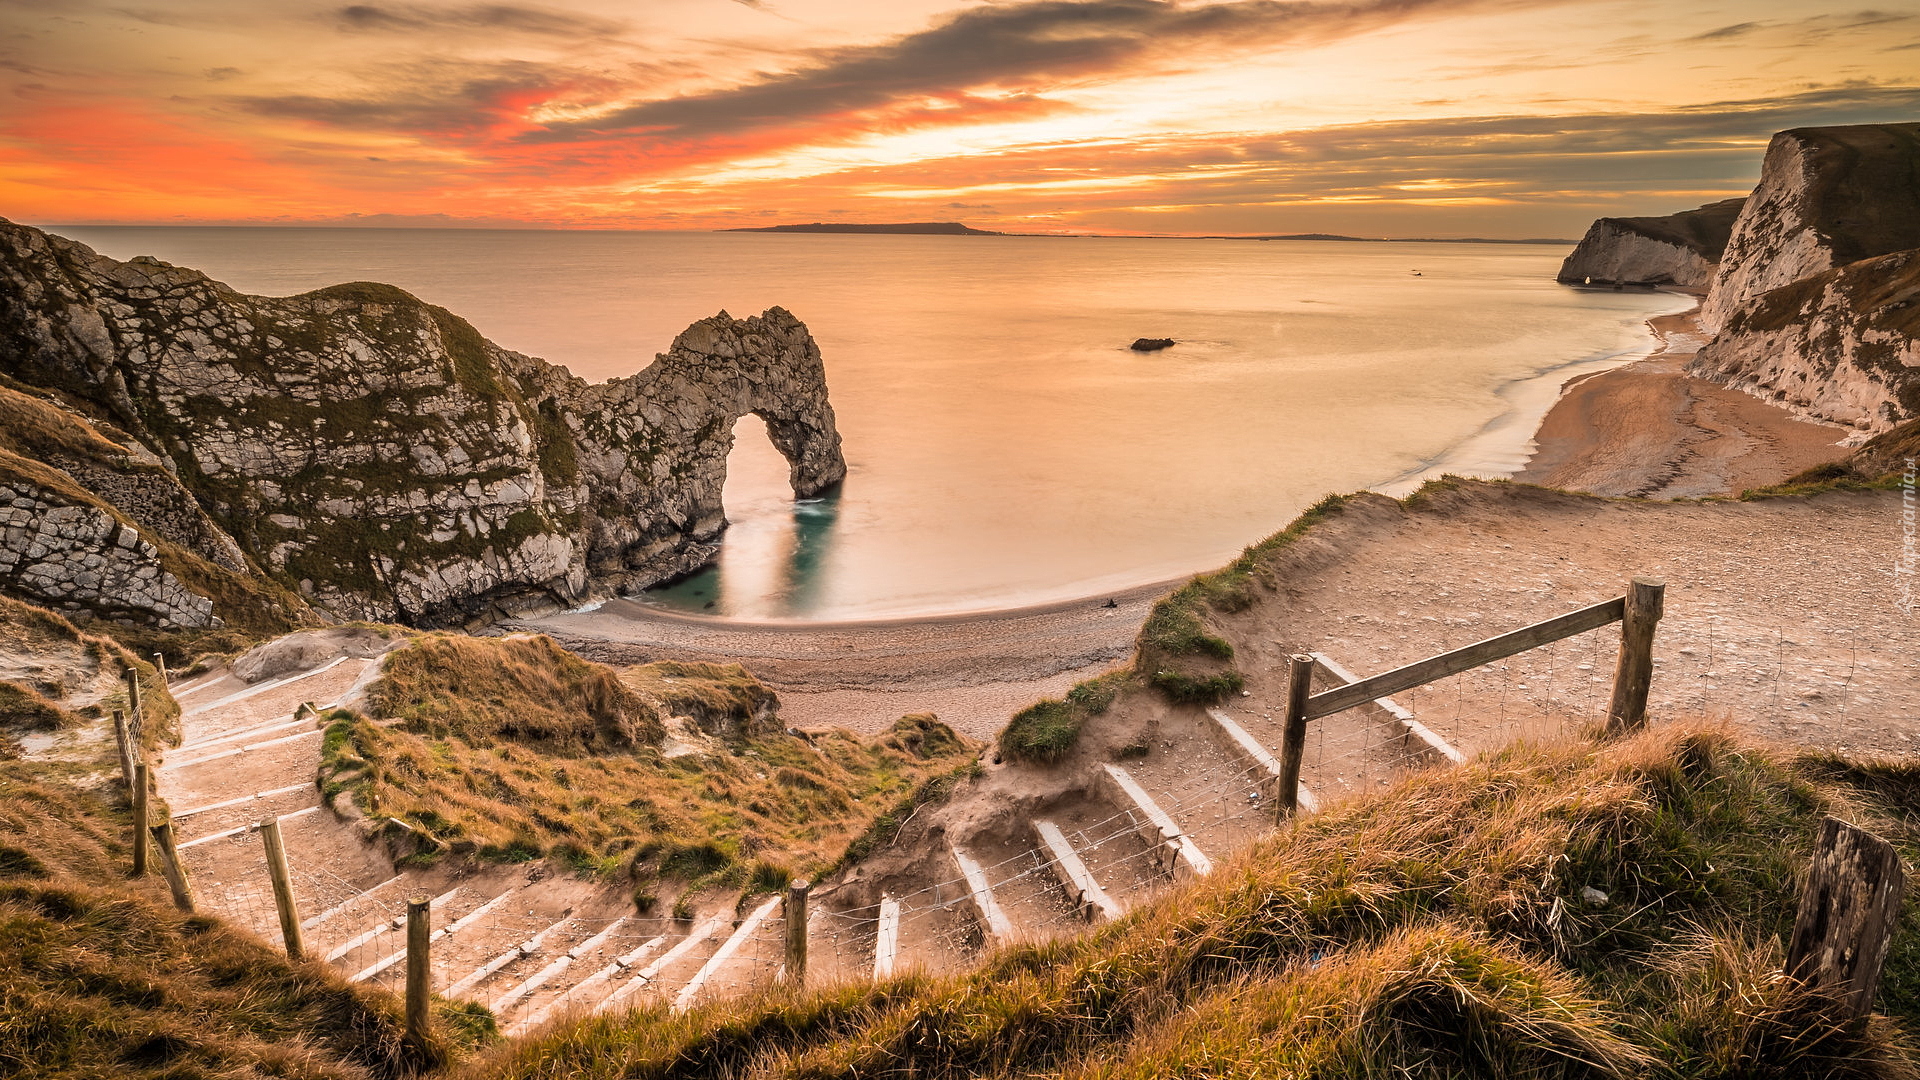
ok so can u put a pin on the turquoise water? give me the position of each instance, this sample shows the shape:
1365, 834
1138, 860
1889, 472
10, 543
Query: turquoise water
1004, 445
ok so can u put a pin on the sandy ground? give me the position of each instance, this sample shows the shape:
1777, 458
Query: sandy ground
1650, 430
972, 671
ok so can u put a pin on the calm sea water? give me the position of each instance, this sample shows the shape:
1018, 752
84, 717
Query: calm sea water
1005, 447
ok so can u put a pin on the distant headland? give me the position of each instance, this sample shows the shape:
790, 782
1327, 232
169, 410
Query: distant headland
921, 228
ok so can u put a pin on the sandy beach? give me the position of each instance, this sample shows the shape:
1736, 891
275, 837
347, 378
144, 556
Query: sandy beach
1645, 429
973, 671
1649, 430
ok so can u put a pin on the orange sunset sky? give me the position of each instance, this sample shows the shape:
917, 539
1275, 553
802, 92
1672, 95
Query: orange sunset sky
1376, 117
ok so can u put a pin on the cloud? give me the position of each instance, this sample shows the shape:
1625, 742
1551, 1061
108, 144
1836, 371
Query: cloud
1728, 32
415, 18
441, 98
1029, 47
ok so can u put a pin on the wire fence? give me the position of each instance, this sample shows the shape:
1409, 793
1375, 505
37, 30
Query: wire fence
510, 951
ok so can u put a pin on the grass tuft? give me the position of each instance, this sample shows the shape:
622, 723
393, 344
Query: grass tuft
1045, 731
1176, 634
512, 749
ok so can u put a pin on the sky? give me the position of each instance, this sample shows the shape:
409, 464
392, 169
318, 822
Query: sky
1436, 118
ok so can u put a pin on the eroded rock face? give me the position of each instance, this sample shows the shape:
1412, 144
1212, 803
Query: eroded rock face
1681, 249
1827, 197
73, 557
1839, 346
376, 453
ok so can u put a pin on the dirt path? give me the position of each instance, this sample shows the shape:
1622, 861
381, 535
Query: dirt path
1781, 616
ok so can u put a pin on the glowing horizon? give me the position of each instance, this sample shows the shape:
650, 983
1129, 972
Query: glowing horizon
1435, 118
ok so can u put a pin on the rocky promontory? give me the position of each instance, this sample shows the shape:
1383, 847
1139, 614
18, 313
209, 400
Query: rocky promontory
1811, 303
371, 453
1680, 249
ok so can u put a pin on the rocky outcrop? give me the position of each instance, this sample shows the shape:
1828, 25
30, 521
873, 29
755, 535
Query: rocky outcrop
1681, 249
1811, 305
1839, 345
78, 558
1827, 197
378, 455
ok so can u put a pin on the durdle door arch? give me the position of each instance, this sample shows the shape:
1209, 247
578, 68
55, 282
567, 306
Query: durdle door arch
371, 453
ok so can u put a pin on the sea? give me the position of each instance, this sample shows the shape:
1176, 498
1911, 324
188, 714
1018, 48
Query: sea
1005, 446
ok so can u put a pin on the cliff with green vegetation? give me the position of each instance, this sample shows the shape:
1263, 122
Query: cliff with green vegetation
362, 451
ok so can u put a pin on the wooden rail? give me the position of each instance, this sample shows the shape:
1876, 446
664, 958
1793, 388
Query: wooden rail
1411, 728
1422, 672
1638, 612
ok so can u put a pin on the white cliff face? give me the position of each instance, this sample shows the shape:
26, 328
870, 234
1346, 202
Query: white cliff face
74, 557
1774, 242
379, 456
1839, 346
1612, 253
1813, 306
1826, 197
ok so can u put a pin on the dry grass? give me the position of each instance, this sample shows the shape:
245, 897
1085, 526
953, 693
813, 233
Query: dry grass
1438, 929
100, 977
57, 663
513, 749
722, 699
519, 690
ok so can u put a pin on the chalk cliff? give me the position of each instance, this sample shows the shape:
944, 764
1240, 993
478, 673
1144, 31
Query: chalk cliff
1811, 303
1839, 345
1679, 249
377, 455
1827, 197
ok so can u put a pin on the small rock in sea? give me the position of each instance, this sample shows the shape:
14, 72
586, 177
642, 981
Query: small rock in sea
1151, 344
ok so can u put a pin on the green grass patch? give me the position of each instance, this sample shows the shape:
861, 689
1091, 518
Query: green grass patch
1045, 731
1177, 632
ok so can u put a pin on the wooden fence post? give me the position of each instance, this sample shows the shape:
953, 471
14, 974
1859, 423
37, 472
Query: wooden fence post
133, 695
419, 966
160, 665
140, 814
282, 888
1848, 910
1634, 674
124, 736
1294, 741
171, 866
796, 915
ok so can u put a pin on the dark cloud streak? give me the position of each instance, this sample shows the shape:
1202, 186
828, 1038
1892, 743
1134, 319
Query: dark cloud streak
1028, 47
513, 18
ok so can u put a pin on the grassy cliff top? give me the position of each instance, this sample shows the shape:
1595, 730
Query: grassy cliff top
511, 749
1580, 909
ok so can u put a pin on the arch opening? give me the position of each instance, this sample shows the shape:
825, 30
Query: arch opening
775, 544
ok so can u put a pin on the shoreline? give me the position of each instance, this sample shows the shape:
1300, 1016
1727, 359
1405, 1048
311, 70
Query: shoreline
1632, 425
1503, 447
1647, 429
